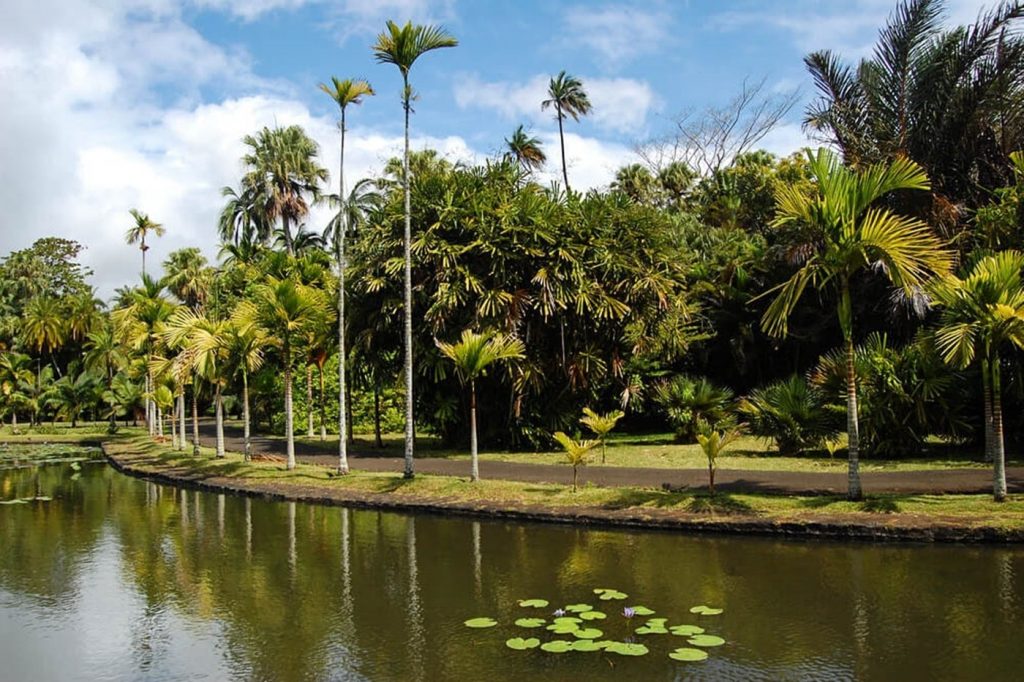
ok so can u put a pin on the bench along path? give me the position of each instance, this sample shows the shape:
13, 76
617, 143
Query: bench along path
937, 481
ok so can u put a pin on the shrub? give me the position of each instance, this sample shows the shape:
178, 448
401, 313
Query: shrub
792, 413
693, 405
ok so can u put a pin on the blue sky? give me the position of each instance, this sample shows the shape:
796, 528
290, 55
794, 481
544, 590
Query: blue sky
114, 104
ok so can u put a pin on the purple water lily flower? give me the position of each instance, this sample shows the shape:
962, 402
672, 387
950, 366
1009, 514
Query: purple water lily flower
628, 612
559, 612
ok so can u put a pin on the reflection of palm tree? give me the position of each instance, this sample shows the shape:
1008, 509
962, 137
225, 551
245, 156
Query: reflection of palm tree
849, 233
568, 98
344, 93
138, 232
402, 46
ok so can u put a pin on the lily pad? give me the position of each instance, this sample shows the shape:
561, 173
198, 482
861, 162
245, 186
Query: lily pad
642, 611
75, 476
557, 646
656, 622
75, 466
684, 654
483, 622
563, 628
587, 633
534, 603
42, 498
651, 630
599, 590
536, 623
593, 615
579, 608
626, 649
586, 645
704, 610
520, 644
608, 595
566, 619
686, 630
706, 640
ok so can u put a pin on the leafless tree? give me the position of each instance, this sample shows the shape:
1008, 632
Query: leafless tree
708, 139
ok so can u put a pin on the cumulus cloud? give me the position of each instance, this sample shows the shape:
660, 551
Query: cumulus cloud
617, 33
619, 104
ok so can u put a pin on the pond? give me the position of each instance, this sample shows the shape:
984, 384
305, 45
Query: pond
116, 578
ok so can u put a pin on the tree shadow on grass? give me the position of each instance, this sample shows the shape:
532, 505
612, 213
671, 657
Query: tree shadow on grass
875, 504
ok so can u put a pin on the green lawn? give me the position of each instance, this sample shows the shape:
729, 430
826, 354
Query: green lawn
84, 432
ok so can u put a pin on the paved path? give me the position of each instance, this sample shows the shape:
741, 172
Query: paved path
939, 481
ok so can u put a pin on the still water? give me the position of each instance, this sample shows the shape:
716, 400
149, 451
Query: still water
120, 579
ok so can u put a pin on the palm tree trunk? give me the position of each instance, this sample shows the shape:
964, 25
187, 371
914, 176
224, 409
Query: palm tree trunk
159, 421
854, 491
561, 138
174, 428
575, 475
474, 457
323, 406
195, 419
150, 426
309, 400
220, 421
289, 432
407, 254
376, 416
245, 416
342, 355
348, 412
181, 419
287, 235
986, 389
711, 478
998, 455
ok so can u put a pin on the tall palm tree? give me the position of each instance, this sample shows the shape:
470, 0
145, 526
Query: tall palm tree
282, 171
247, 342
285, 308
568, 98
105, 355
44, 325
138, 232
82, 313
210, 346
982, 313
848, 233
526, 150
472, 355
344, 93
188, 276
402, 46
242, 220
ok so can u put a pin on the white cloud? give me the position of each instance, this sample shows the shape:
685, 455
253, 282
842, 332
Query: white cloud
617, 33
250, 9
620, 105
592, 163
367, 17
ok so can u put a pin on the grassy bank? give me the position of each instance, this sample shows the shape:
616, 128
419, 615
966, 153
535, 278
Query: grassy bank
880, 514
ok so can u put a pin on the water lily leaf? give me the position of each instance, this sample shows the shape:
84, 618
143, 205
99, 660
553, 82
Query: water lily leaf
704, 610
520, 644
599, 590
587, 633
480, 623
642, 611
656, 622
685, 654
566, 619
75, 476
626, 649
651, 630
579, 608
706, 640
75, 466
557, 646
563, 628
593, 615
612, 594
586, 645
535, 623
686, 630
534, 603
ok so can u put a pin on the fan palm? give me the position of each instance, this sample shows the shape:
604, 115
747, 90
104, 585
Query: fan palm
70, 396
526, 150
138, 232
402, 46
601, 425
982, 313
568, 98
344, 93
848, 234
472, 355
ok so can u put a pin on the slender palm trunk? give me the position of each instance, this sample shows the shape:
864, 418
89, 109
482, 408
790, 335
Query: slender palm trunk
986, 389
575, 475
159, 422
998, 455
342, 355
561, 138
142, 247
348, 412
309, 400
289, 432
852, 426
323, 407
287, 235
410, 434
150, 425
376, 416
174, 428
245, 416
181, 419
711, 478
195, 419
219, 408
474, 457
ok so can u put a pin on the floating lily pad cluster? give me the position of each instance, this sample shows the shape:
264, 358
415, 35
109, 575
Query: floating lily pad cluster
580, 627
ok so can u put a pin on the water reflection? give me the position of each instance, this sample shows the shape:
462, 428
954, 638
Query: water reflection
125, 580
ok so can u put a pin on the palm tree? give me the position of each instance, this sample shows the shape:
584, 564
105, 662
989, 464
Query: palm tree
601, 425
567, 96
526, 150
576, 452
712, 444
472, 355
402, 46
138, 232
209, 348
104, 354
849, 233
243, 220
82, 312
285, 308
188, 276
72, 395
44, 325
15, 372
344, 93
282, 170
246, 350
982, 313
